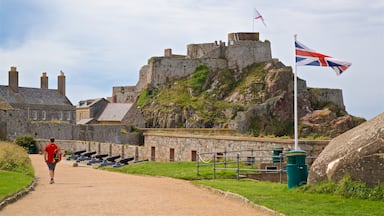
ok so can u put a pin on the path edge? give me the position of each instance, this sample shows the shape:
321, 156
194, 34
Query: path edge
18, 195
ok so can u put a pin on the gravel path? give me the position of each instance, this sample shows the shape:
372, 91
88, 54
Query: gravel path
85, 191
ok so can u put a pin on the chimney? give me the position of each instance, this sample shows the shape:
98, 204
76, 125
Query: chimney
61, 83
13, 80
168, 52
44, 81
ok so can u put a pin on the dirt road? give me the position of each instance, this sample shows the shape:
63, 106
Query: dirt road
83, 191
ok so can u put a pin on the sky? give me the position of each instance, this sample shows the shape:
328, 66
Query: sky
99, 44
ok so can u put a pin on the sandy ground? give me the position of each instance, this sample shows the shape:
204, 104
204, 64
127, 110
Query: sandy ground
85, 191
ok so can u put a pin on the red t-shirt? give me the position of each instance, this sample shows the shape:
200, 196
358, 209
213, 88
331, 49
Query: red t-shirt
50, 149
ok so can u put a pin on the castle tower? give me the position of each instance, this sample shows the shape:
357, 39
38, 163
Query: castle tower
61, 83
13, 80
44, 81
242, 36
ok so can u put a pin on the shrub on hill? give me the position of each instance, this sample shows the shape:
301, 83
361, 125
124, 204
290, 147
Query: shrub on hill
14, 158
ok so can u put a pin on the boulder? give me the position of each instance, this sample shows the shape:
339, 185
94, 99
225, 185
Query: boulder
358, 153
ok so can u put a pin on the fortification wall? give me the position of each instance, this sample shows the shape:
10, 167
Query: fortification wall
200, 50
164, 70
324, 95
14, 122
124, 94
158, 145
144, 76
244, 53
119, 134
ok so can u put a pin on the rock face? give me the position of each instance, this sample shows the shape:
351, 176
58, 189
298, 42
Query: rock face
358, 153
257, 100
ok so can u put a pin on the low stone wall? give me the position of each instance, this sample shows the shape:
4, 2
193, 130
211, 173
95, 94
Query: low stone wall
183, 147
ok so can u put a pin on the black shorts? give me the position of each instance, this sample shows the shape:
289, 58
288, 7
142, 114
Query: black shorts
51, 166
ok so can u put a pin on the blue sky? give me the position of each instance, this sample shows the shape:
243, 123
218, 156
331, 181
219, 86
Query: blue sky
101, 44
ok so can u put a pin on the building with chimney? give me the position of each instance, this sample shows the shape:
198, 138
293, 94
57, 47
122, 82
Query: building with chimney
20, 107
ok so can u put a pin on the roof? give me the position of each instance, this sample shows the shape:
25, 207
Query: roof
33, 96
85, 121
115, 112
89, 102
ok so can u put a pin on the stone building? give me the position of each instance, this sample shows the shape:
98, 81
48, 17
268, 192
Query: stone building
87, 111
20, 107
121, 113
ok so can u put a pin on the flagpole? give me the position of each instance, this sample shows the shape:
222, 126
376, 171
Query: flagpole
295, 101
253, 24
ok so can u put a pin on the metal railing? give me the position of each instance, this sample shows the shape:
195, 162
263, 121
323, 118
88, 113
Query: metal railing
241, 161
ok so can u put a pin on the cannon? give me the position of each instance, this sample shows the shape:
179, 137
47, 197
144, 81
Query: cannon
75, 155
97, 159
123, 162
85, 156
109, 161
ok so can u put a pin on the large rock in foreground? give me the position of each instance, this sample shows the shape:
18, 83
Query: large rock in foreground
358, 153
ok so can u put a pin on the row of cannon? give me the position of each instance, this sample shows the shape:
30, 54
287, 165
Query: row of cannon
102, 159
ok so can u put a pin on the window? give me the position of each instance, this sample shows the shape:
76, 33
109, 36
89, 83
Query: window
171, 154
69, 116
44, 115
34, 114
61, 116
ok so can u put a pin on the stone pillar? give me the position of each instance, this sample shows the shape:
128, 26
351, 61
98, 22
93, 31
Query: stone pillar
13, 80
44, 81
168, 52
61, 83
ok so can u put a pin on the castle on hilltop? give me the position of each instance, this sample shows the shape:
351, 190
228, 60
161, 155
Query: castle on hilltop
241, 50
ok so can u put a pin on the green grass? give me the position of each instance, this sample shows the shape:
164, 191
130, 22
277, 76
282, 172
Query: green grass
12, 182
16, 171
179, 170
275, 196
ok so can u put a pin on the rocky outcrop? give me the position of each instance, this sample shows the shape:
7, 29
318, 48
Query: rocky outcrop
358, 153
258, 101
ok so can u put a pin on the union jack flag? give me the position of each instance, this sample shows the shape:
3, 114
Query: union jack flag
307, 57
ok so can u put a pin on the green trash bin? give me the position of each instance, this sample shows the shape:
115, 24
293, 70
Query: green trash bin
276, 158
32, 148
297, 170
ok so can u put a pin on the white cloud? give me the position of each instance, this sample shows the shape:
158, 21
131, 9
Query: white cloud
99, 44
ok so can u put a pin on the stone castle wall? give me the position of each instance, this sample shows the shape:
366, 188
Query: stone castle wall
243, 51
195, 51
124, 94
325, 95
119, 134
158, 145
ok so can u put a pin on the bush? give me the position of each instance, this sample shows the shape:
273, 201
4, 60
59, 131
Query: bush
347, 188
25, 141
198, 78
15, 159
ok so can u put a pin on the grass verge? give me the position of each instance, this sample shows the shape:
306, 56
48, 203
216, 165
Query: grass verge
16, 171
275, 196
12, 182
